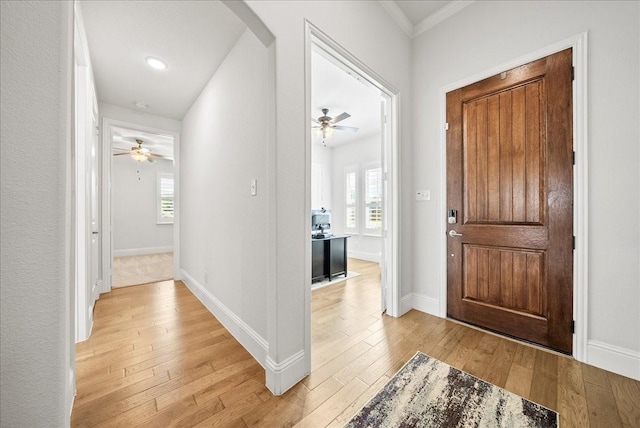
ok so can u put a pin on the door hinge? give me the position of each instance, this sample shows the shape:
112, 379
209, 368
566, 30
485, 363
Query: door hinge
97, 130
573, 158
573, 73
446, 126
573, 326
573, 242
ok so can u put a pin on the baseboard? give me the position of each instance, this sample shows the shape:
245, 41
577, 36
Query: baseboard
406, 304
142, 251
284, 375
420, 303
618, 360
370, 257
255, 344
71, 395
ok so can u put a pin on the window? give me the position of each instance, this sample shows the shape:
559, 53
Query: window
351, 198
363, 199
165, 198
373, 200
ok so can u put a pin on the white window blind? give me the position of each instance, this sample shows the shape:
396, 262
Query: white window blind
351, 199
165, 198
373, 200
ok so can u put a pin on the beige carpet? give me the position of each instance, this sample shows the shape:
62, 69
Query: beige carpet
133, 270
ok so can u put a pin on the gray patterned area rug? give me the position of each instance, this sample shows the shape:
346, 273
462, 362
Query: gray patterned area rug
429, 393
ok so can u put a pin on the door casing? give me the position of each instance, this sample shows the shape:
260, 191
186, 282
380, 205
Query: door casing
579, 45
390, 162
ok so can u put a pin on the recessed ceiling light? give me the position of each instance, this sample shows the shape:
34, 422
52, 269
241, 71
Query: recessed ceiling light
156, 63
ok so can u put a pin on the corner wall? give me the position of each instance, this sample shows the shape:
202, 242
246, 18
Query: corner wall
367, 32
486, 34
224, 248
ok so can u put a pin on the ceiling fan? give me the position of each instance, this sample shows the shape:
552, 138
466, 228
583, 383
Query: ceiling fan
139, 153
326, 124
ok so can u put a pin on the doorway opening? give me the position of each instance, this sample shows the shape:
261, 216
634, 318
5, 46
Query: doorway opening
141, 204
357, 178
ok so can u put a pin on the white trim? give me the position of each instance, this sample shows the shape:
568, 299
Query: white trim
142, 251
248, 338
361, 255
281, 376
394, 11
425, 304
625, 362
406, 304
421, 303
432, 20
390, 160
580, 207
71, 392
398, 16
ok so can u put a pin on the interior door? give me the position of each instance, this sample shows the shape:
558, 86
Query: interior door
95, 256
510, 196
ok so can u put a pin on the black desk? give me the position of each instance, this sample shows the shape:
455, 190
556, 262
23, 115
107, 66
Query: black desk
328, 257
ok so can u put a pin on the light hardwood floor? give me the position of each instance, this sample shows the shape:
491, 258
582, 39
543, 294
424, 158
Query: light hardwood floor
158, 358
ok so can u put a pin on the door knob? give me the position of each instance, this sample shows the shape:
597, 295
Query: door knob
453, 233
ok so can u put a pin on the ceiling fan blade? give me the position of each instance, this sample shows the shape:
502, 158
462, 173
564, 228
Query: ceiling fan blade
121, 154
346, 128
313, 119
155, 155
340, 117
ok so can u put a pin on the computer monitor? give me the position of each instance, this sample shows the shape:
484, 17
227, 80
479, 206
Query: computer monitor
320, 221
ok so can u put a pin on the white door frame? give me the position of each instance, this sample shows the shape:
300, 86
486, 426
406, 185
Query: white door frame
580, 174
85, 109
315, 38
107, 211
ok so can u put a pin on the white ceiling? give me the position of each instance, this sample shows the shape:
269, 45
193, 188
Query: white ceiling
335, 89
193, 38
419, 10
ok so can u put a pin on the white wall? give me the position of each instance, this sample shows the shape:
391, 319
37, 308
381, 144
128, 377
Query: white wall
486, 34
359, 153
36, 317
134, 204
224, 228
322, 183
137, 117
367, 32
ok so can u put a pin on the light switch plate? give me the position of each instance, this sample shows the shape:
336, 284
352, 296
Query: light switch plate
423, 195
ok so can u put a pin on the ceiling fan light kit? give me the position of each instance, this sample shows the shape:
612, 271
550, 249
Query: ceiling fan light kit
326, 124
140, 154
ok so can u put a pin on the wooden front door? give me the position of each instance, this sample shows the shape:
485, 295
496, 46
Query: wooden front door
510, 182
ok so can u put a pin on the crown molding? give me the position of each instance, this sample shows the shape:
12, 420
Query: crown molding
398, 15
429, 22
442, 14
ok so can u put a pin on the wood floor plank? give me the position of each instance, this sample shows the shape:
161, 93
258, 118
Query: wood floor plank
572, 404
626, 392
158, 358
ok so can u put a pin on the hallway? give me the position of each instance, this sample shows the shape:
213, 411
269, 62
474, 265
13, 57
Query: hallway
157, 357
